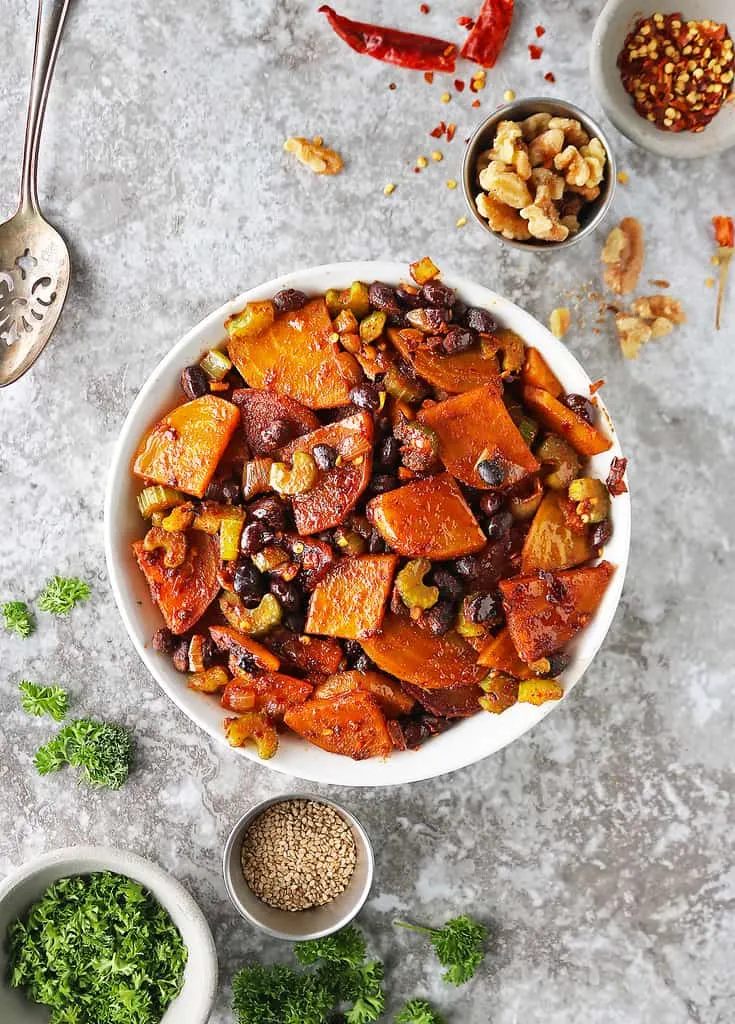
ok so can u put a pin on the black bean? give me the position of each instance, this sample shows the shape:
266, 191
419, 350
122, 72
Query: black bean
180, 656
439, 619
490, 504
581, 405
498, 525
248, 583
389, 452
352, 650
275, 434
480, 320
254, 538
366, 396
325, 456
231, 492
458, 339
459, 311
270, 511
247, 662
363, 663
288, 300
409, 300
164, 641
383, 297
418, 729
558, 662
450, 588
382, 483
483, 607
215, 490
209, 652
287, 593
491, 471
601, 533
295, 621
434, 293
376, 544
194, 382
397, 320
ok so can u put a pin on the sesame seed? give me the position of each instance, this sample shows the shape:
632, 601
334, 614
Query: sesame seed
421, 161
437, 155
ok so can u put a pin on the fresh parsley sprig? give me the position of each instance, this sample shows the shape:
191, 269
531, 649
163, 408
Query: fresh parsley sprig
101, 750
43, 700
418, 1011
18, 618
62, 593
459, 946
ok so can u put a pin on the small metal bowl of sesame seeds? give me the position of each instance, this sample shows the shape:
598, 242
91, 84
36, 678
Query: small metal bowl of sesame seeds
298, 866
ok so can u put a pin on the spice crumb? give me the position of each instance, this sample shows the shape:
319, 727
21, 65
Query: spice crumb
623, 177
451, 183
509, 95
298, 854
389, 189
446, 97
461, 222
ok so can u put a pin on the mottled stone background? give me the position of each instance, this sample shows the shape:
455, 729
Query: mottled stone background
599, 848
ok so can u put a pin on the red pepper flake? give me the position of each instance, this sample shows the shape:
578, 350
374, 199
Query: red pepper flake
615, 482
486, 39
417, 170
392, 85
459, 85
535, 51
724, 231
595, 387
424, 8
406, 49
549, 76
451, 129
466, 22
475, 103
436, 133
429, 76
540, 31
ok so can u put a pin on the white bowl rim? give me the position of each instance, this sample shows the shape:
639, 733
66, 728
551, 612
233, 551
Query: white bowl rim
403, 766
200, 991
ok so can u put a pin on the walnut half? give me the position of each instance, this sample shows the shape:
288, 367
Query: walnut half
315, 155
623, 254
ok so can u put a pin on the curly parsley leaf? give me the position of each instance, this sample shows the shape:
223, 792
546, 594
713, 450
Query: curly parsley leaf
17, 618
62, 593
43, 700
418, 1011
98, 948
459, 946
346, 946
279, 995
101, 750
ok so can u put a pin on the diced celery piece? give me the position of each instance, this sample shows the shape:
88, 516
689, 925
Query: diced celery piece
158, 499
216, 365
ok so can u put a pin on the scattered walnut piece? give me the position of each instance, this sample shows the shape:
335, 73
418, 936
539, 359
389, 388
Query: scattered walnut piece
632, 333
559, 321
623, 255
649, 307
651, 316
315, 155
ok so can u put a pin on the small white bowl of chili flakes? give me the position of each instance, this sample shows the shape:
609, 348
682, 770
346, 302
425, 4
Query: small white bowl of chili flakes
666, 78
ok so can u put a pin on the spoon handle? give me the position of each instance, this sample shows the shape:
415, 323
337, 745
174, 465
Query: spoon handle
51, 15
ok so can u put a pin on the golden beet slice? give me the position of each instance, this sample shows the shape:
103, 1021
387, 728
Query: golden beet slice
183, 449
349, 601
567, 424
550, 543
337, 490
500, 654
294, 356
474, 426
407, 652
455, 374
427, 519
182, 594
351, 724
386, 691
536, 373
258, 409
544, 610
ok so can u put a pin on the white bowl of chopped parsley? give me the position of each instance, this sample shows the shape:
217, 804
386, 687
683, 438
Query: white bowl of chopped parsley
91, 933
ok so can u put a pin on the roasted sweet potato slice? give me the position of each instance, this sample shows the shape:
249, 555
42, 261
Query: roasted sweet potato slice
550, 543
477, 425
427, 519
272, 692
294, 357
247, 652
182, 450
238, 696
182, 594
307, 654
536, 373
258, 409
544, 610
386, 691
584, 438
351, 724
454, 374
455, 702
338, 490
407, 652
500, 654
349, 601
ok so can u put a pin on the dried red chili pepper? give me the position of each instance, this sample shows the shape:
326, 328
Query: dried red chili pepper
436, 133
406, 49
486, 39
459, 85
535, 51
451, 129
615, 483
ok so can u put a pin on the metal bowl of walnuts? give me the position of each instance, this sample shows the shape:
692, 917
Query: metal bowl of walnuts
539, 174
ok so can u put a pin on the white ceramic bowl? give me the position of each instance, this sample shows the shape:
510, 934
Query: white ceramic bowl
615, 22
27, 884
468, 741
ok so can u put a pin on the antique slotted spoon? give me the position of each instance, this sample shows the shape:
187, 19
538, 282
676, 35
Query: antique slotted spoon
34, 260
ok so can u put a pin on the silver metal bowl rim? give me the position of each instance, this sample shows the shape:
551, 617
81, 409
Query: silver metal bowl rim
506, 113
236, 836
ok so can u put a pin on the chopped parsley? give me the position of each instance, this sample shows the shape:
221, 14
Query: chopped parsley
418, 1011
43, 700
98, 948
101, 750
62, 593
17, 618
459, 946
